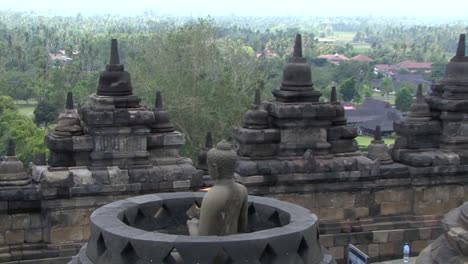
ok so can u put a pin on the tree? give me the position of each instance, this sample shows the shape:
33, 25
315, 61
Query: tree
348, 89
403, 99
45, 113
28, 137
366, 91
386, 86
6, 103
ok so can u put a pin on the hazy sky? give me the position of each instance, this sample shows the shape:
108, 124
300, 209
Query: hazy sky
413, 8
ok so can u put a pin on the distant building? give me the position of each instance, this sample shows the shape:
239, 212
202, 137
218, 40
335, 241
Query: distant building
409, 66
59, 59
334, 58
267, 53
400, 79
337, 58
361, 58
371, 113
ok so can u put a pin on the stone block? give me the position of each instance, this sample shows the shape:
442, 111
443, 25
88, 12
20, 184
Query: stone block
421, 129
380, 236
83, 143
172, 139
435, 194
5, 221
181, 184
256, 136
62, 234
386, 249
344, 145
349, 213
457, 192
331, 213
362, 212
418, 245
20, 221
5, 257
337, 252
341, 132
59, 144
327, 241
14, 237
117, 175
395, 235
33, 235
342, 239
36, 220
305, 138
257, 150
57, 178
374, 210
411, 234
392, 208
373, 250
82, 176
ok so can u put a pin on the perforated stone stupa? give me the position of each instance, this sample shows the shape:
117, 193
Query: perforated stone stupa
296, 135
115, 140
435, 131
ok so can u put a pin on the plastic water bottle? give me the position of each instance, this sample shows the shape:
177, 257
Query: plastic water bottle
406, 253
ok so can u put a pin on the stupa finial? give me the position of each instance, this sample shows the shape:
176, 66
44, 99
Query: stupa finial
209, 140
258, 98
114, 55
158, 101
461, 46
419, 93
69, 104
298, 46
11, 150
333, 97
378, 133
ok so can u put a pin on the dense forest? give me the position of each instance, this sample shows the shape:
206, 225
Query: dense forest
207, 69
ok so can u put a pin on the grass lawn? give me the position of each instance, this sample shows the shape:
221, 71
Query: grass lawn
361, 47
366, 140
26, 109
344, 36
390, 98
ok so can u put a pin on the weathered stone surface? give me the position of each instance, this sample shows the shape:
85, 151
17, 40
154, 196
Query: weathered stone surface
117, 176
82, 176
57, 178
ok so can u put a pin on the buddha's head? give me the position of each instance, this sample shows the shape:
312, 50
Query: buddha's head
222, 161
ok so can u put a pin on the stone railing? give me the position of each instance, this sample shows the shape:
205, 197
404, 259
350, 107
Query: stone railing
152, 229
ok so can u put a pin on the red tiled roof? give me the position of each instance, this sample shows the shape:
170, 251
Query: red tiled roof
362, 58
414, 65
334, 57
385, 67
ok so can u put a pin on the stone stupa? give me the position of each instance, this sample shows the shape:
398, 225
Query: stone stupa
295, 133
114, 140
12, 172
435, 131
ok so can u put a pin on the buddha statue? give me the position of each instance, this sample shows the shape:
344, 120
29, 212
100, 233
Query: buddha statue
224, 207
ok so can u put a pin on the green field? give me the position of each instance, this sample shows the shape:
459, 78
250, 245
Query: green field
361, 47
344, 36
366, 140
26, 109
